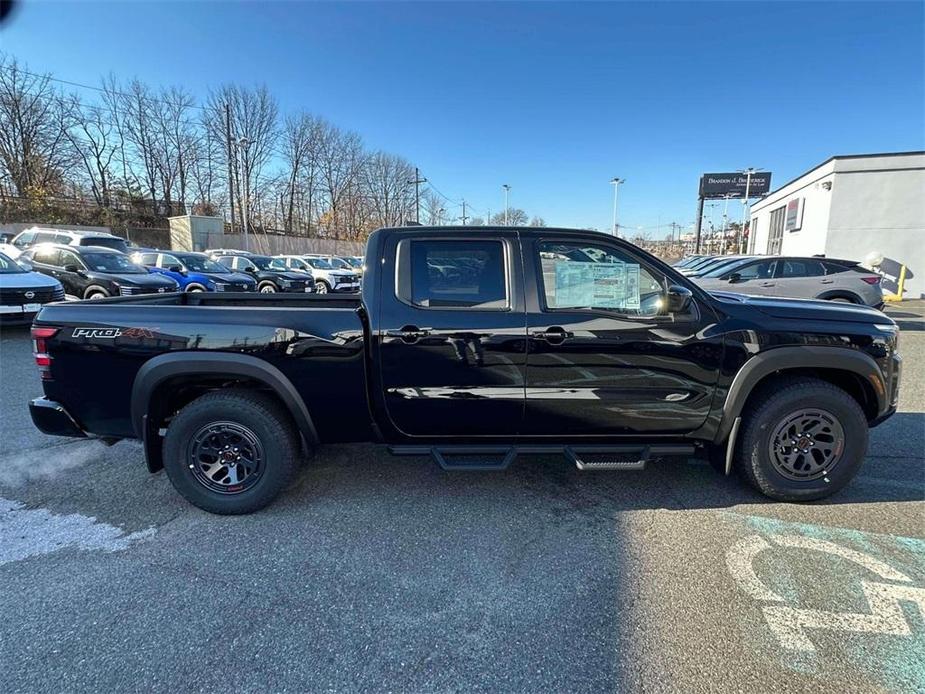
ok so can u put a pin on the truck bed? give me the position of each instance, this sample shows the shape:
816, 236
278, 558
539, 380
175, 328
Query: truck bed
317, 342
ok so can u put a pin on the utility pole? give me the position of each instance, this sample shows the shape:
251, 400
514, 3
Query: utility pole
615, 181
748, 184
507, 207
440, 216
417, 194
464, 218
231, 185
245, 194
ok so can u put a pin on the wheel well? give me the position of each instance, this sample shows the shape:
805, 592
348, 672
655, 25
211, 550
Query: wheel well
193, 285
848, 381
172, 394
842, 294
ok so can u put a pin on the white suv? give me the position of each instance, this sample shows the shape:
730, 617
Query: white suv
327, 277
36, 235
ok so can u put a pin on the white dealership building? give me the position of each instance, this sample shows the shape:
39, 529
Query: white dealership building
854, 207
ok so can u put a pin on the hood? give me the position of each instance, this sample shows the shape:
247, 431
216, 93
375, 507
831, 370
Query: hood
806, 309
138, 280
27, 280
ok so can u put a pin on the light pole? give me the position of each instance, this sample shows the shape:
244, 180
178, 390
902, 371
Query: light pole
507, 208
616, 187
440, 216
748, 184
242, 144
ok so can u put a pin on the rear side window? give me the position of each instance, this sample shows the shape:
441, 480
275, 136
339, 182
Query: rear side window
46, 237
458, 274
835, 268
802, 268
148, 258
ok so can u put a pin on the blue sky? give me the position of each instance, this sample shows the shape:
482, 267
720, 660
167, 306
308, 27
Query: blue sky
553, 98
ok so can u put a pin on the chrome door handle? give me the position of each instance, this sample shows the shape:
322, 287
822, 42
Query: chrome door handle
827, 281
553, 335
409, 333
768, 284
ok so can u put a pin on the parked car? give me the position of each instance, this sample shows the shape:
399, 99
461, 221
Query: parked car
23, 292
687, 260
213, 252
330, 279
71, 237
707, 264
271, 274
194, 272
538, 340
94, 272
803, 278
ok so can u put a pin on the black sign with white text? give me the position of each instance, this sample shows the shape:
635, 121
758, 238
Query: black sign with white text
720, 185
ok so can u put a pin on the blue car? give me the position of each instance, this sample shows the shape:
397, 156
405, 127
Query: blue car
194, 272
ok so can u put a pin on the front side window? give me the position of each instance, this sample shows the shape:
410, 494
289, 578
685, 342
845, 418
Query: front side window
458, 274
66, 258
586, 276
763, 270
46, 256
24, 239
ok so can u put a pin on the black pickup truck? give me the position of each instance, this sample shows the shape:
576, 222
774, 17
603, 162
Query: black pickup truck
475, 346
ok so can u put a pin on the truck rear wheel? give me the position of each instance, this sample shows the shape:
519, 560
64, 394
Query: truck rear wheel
803, 439
231, 451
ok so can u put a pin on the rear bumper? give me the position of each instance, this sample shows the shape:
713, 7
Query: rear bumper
51, 418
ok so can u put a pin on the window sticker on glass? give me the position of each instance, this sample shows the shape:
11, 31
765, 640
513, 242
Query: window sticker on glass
596, 285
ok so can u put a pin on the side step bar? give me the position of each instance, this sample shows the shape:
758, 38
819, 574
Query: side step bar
585, 457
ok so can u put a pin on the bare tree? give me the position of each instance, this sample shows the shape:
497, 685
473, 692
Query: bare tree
141, 132
537, 221
301, 150
341, 160
95, 145
516, 217
386, 189
33, 139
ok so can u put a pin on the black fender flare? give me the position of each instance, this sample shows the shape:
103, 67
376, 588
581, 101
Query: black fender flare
155, 371
782, 359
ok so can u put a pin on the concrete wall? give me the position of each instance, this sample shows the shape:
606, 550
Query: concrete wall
810, 238
294, 245
881, 211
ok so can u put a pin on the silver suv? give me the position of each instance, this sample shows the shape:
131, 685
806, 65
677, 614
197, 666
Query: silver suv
72, 237
802, 278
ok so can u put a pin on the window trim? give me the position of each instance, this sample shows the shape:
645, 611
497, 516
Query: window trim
756, 261
507, 269
694, 315
781, 262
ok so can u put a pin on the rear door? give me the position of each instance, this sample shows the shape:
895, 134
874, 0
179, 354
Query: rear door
604, 358
451, 334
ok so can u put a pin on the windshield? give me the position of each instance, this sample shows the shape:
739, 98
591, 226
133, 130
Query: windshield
112, 262
266, 263
340, 264
319, 263
199, 263
354, 262
8, 266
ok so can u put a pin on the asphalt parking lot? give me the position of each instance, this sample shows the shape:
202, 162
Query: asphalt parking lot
381, 573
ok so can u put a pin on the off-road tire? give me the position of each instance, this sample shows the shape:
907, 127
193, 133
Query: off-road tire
771, 406
261, 415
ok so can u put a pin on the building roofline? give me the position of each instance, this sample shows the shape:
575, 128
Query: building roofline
840, 157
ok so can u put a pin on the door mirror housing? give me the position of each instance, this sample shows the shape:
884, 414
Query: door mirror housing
177, 269
251, 269
71, 268
735, 277
678, 299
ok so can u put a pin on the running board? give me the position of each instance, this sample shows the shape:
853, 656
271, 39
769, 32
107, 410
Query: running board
586, 457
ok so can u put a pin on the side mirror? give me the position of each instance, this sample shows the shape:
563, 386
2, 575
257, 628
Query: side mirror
175, 268
25, 265
735, 277
251, 270
678, 299
71, 268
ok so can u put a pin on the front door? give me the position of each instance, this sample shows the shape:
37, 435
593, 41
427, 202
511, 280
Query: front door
451, 334
604, 357
756, 277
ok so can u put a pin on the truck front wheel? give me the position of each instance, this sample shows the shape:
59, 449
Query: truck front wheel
803, 439
231, 451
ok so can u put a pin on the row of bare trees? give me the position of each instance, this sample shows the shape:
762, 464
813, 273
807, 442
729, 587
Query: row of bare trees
234, 155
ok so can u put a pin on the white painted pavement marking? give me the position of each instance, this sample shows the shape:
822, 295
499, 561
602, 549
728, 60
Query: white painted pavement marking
33, 532
789, 624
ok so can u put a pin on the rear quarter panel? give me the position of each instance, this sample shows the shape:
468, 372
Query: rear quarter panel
320, 350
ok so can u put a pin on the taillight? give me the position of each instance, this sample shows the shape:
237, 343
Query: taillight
873, 279
40, 350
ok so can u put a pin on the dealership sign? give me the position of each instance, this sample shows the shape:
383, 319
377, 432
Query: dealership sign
733, 185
